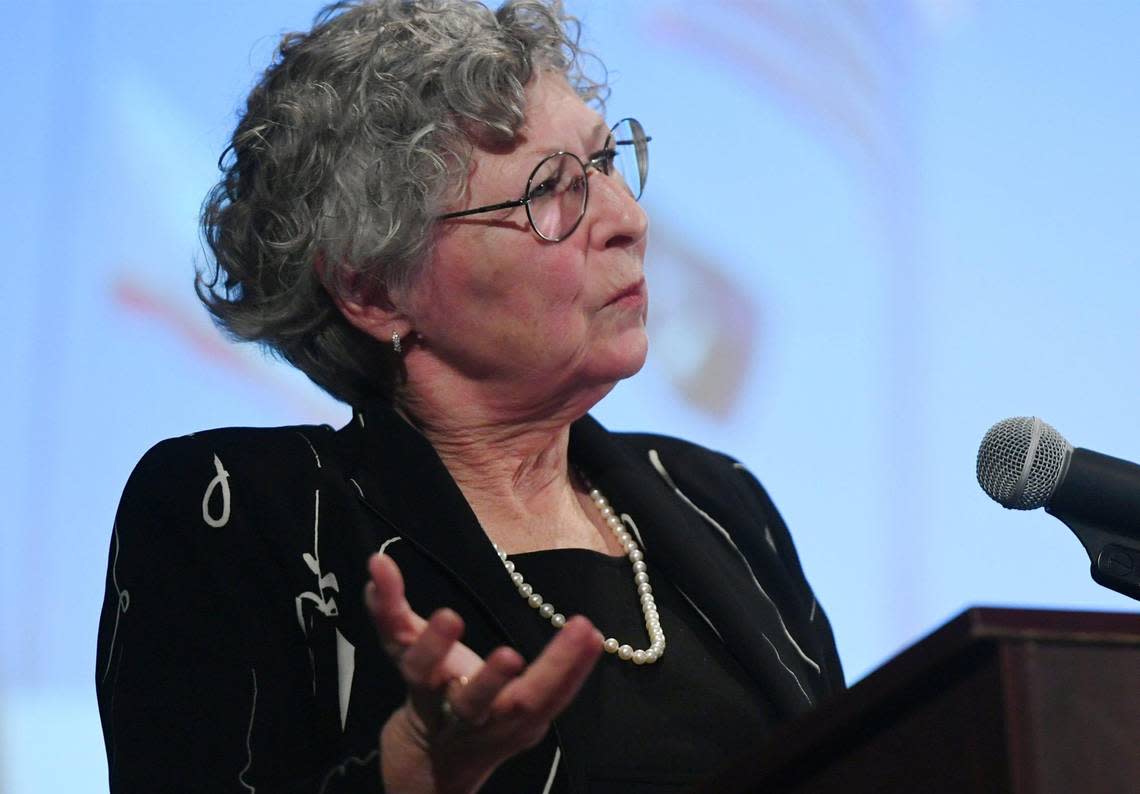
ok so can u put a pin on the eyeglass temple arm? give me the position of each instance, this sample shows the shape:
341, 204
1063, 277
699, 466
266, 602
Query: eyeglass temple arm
489, 208
646, 139
521, 201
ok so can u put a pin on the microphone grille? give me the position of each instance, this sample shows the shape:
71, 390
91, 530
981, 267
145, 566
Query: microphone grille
1021, 461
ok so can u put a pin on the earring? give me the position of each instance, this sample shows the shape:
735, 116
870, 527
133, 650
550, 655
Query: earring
396, 346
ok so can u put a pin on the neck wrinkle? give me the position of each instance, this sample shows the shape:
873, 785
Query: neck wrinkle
511, 472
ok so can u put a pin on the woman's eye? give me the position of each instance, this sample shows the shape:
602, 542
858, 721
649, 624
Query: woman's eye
604, 160
544, 188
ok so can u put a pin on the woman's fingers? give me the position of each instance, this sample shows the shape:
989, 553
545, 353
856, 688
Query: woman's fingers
398, 625
554, 678
503, 706
471, 702
421, 663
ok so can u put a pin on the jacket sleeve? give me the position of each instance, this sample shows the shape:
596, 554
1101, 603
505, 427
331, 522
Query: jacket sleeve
205, 681
778, 539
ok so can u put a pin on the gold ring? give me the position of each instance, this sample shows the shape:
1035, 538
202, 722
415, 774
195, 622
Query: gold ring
448, 718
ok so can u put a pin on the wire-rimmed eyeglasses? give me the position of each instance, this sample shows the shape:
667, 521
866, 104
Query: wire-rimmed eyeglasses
558, 189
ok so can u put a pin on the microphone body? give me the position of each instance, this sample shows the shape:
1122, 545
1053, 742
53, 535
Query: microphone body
1023, 464
1101, 490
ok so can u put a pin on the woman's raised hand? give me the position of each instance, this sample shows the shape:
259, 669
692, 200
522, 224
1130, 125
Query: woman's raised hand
465, 715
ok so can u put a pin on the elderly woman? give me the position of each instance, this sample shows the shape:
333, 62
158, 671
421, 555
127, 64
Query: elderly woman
420, 211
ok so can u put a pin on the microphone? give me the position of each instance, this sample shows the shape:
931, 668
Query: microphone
1023, 464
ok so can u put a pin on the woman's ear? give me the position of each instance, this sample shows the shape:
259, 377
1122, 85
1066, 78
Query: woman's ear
374, 314
369, 307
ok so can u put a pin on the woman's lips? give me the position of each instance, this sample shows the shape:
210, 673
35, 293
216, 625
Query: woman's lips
634, 293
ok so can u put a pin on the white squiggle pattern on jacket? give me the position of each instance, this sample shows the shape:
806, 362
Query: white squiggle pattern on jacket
704, 617
655, 460
625, 519
222, 478
249, 736
326, 605
553, 770
387, 543
343, 767
345, 669
124, 599
771, 541
310, 443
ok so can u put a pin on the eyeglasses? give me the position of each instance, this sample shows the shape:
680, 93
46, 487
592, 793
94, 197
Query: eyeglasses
557, 190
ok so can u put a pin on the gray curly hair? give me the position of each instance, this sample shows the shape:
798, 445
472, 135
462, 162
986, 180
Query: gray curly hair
349, 144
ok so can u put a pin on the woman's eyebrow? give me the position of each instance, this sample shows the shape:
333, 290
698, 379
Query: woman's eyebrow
600, 127
599, 130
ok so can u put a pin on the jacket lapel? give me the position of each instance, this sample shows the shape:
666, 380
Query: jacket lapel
405, 484
712, 575
403, 481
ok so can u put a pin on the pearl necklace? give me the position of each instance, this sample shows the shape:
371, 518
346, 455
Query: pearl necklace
547, 611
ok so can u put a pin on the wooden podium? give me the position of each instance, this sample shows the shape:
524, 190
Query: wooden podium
997, 700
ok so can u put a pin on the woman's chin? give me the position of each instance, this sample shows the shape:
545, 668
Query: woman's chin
624, 358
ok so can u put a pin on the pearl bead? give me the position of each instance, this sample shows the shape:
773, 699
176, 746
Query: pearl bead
611, 645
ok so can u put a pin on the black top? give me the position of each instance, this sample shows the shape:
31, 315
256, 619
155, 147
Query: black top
655, 728
236, 655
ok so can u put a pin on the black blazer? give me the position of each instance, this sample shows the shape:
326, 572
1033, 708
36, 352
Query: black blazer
235, 653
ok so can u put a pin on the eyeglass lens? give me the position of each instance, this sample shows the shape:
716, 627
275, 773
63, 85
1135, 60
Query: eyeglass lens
557, 196
631, 154
557, 190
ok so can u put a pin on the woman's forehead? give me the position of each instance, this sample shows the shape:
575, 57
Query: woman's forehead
557, 118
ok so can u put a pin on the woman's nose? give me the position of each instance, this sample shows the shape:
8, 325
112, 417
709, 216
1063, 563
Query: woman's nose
614, 215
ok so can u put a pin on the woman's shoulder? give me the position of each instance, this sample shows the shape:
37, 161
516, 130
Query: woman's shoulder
216, 474
266, 452
717, 482
675, 447
681, 460
258, 443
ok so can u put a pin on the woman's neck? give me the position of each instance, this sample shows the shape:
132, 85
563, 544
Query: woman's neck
514, 471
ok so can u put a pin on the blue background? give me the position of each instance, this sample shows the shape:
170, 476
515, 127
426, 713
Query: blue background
878, 227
